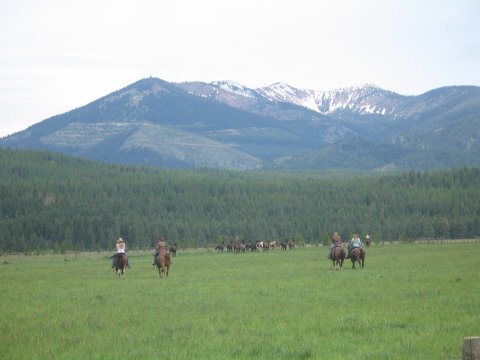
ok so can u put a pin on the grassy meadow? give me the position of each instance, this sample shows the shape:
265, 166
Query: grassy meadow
413, 301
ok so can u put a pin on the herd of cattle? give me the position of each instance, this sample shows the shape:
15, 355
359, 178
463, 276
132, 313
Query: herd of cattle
255, 246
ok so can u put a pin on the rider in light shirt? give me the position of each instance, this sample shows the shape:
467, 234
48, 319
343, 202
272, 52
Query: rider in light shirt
120, 249
356, 242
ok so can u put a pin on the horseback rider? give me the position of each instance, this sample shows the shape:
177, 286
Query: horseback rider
161, 248
120, 249
336, 241
367, 240
355, 243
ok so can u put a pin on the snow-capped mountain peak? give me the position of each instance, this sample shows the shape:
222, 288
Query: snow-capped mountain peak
363, 99
282, 92
234, 87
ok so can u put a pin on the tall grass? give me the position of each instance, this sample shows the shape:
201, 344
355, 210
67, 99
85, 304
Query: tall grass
410, 302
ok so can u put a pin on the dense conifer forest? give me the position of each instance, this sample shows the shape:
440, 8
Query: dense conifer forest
50, 201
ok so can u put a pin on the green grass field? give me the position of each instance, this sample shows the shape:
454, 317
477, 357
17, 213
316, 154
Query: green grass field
409, 302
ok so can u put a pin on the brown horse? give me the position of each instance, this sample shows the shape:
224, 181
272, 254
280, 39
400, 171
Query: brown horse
120, 264
337, 257
357, 255
163, 262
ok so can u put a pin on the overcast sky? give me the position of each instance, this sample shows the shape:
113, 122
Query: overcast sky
56, 55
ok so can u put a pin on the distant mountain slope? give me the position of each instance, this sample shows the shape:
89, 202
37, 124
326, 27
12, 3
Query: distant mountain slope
153, 122
224, 124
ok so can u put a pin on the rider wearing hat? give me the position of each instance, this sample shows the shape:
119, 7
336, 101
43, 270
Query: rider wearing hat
336, 241
120, 249
161, 248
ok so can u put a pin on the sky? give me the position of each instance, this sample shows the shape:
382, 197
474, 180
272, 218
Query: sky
57, 55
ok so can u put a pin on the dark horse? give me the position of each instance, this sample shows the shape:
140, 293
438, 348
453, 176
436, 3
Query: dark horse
120, 264
337, 257
173, 251
357, 254
163, 263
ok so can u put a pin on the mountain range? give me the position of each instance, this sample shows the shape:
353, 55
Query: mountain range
224, 124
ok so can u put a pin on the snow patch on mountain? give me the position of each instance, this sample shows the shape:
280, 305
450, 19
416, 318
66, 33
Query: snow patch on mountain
282, 92
365, 99
233, 87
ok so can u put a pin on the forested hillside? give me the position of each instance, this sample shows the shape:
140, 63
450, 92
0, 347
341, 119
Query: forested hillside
49, 201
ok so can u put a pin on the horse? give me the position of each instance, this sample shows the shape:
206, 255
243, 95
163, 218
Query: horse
120, 264
357, 254
337, 257
163, 262
173, 251
367, 242
238, 247
263, 245
219, 248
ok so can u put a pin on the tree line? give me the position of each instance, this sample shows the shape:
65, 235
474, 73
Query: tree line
51, 201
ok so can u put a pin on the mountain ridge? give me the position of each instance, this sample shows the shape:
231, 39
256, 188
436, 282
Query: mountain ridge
224, 124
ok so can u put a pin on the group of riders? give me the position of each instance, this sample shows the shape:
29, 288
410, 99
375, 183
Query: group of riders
120, 248
355, 243
162, 247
